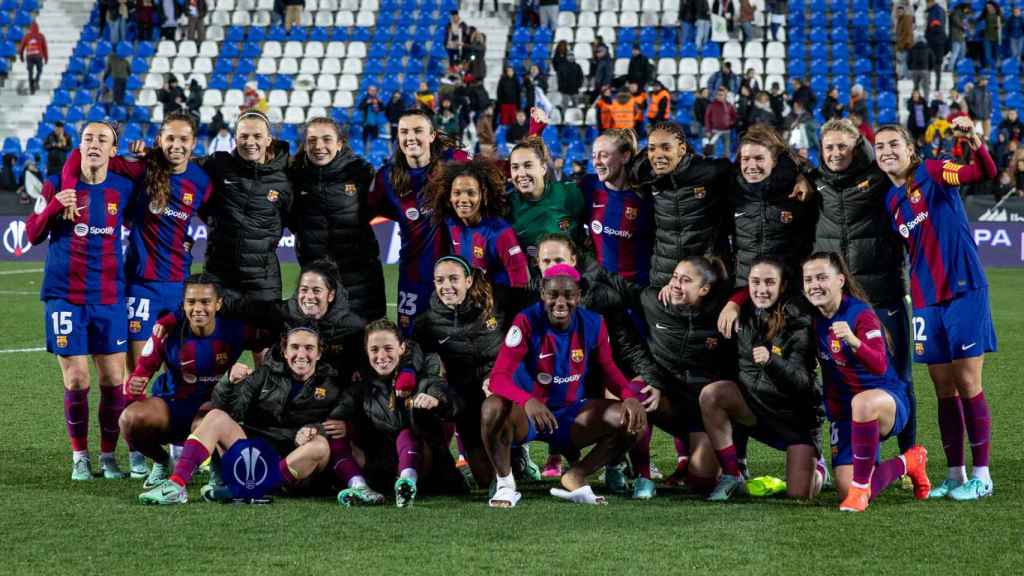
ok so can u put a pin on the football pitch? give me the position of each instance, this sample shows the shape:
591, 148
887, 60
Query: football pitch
50, 525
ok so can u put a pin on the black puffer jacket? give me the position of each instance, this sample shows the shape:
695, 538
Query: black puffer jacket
786, 387
690, 209
375, 396
766, 222
686, 345
247, 216
467, 341
852, 221
330, 218
261, 400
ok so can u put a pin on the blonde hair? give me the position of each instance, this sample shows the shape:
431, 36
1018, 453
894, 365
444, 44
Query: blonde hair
842, 125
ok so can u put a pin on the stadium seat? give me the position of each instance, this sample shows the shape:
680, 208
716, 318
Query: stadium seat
287, 66
272, 49
732, 49
293, 49
356, 50
266, 66
343, 99
689, 66
666, 66
709, 65
344, 19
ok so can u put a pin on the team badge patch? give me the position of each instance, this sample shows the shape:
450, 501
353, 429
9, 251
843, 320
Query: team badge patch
319, 393
777, 350
631, 213
544, 378
864, 185
786, 216
835, 346
918, 348
915, 196
514, 337
186, 198
349, 189
112, 208
273, 195
478, 251
135, 326
711, 343
491, 323
577, 355
62, 341
699, 192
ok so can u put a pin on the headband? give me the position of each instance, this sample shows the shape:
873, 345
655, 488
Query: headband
458, 260
309, 329
109, 124
255, 114
559, 270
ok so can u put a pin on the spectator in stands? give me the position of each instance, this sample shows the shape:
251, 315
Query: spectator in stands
917, 120
293, 13
486, 140
858, 102
1014, 30
32, 51
602, 69
719, 120
195, 28
761, 111
700, 108
659, 105
446, 120
639, 98
222, 141
920, 64
251, 99
145, 17
743, 103
456, 35
477, 55
957, 105
117, 20
509, 96
959, 24
1016, 169
570, 79
602, 105
687, 20
561, 54
979, 104
31, 184
832, 108
778, 100
935, 34
863, 127
57, 146
802, 93
640, 68
533, 81
169, 27
195, 98
745, 20
1010, 124
903, 35
5, 69
751, 81
171, 95
118, 71
724, 78
991, 36
519, 129
372, 97
425, 98
803, 131
394, 109
621, 113
548, 11
776, 16
374, 119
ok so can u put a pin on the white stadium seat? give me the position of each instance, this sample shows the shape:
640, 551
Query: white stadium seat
608, 33
352, 66
330, 66
343, 99
629, 20
669, 82
608, 19
732, 49
753, 49
275, 115
612, 5
147, 97
160, 65
688, 66
687, 83
202, 65
310, 66
648, 18
234, 98
154, 80
630, 5
348, 82
299, 99
584, 35
324, 18
166, 48
775, 66
336, 49
650, 6
188, 49
266, 66
365, 19
316, 112
666, 66
272, 49
277, 98
566, 19
288, 66
670, 18
588, 19
208, 48
710, 65
212, 98
356, 50
261, 18
327, 82
344, 19
240, 19
321, 97
314, 49
755, 64
775, 50
621, 66
293, 49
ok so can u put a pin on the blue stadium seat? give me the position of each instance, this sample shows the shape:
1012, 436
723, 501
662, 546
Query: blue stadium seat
53, 114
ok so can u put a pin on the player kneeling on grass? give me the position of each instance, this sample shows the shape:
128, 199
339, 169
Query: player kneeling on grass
864, 399
548, 382
289, 404
776, 396
198, 350
405, 404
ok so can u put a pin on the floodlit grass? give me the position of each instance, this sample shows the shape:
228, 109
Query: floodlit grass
49, 525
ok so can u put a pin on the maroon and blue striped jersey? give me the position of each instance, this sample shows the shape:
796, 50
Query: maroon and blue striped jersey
846, 372
928, 213
491, 246
84, 261
621, 228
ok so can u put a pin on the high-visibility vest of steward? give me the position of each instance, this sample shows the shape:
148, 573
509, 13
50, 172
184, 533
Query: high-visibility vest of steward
622, 114
655, 105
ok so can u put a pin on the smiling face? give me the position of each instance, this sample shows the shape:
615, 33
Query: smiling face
823, 284
415, 135
665, 151
609, 162
252, 138
302, 352
384, 351
528, 172
756, 163
97, 146
451, 283
892, 152
322, 143
553, 252
765, 285
314, 295
838, 149
466, 198
561, 296
177, 141
201, 305
687, 286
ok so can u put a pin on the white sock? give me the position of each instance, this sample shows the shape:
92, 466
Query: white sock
506, 481
409, 473
957, 474
357, 482
77, 455
981, 473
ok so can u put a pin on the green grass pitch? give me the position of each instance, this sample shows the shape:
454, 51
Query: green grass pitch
49, 525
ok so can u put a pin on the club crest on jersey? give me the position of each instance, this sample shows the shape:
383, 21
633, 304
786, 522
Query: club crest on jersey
835, 346
777, 350
412, 214
711, 343
864, 185
112, 208
62, 341
478, 251
699, 192
786, 216
491, 323
631, 213
186, 198
349, 189
919, 348
135, 326
273, 195
544, 378
577, 355
914, 195
319, 393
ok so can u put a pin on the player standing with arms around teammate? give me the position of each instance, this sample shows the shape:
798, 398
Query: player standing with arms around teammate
952, 325
864, 399
83, 292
